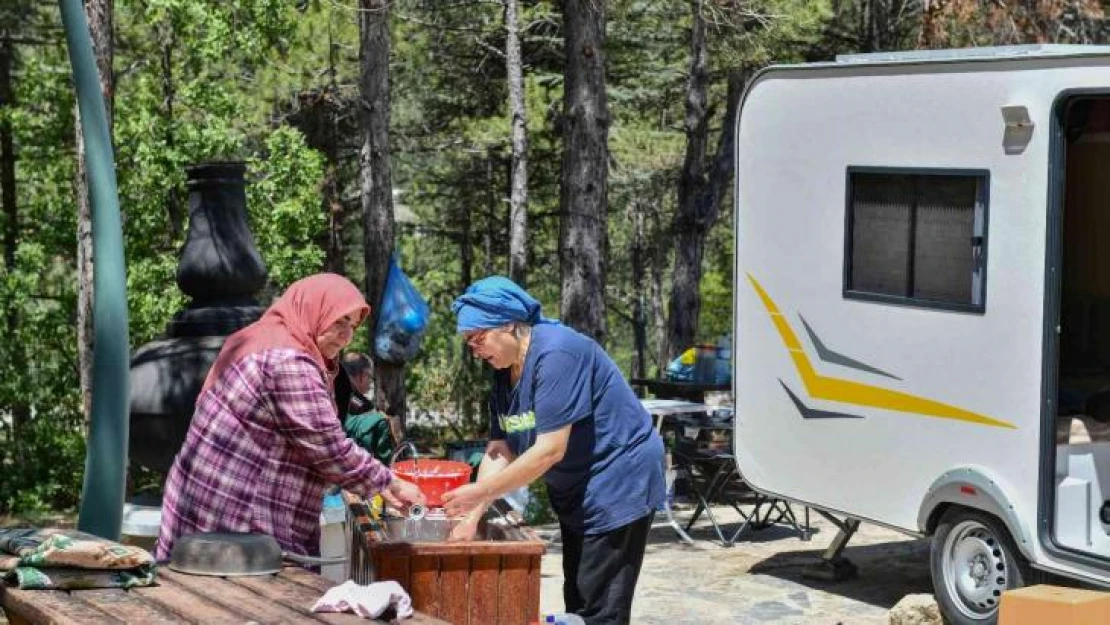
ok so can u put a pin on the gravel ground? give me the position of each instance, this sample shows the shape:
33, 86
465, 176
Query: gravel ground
759, 579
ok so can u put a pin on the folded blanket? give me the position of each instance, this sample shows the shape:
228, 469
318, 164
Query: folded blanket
69, 560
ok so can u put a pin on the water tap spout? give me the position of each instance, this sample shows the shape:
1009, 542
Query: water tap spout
403, 445
415, 512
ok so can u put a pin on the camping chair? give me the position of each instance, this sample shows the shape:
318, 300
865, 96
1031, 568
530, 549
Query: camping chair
714, 477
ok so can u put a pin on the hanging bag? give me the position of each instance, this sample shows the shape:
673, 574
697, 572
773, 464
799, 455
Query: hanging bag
403, 318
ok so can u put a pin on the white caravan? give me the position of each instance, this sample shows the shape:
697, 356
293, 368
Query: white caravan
922, 291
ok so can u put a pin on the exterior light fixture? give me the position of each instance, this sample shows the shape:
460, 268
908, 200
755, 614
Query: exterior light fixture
1018, 128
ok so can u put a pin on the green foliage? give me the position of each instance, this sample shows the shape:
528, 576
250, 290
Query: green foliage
284, 205
184, 94
538, 511
42, 467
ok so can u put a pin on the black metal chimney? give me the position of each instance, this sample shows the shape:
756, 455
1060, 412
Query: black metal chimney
220, 270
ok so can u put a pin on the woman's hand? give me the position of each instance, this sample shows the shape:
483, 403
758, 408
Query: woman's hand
465, 530
401, 494
464, 499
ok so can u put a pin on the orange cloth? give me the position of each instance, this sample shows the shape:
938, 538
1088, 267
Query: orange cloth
307, 308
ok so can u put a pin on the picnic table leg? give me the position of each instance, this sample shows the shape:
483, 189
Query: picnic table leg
670, 475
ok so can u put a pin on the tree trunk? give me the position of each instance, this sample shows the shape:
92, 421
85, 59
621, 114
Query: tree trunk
701, 187
10, 223
491, 213
376, 184
335, 254
583, 194
173, 202
20, 410
685, 304
639, 316
335, 259
99, 13
7, 162
518, 194
655, 301
466, 251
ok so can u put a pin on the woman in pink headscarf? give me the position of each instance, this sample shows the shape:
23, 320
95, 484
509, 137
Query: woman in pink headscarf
265, 440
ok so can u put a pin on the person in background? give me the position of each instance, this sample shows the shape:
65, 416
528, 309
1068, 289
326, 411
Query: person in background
265, 440
369, 428
561, 408
360, 370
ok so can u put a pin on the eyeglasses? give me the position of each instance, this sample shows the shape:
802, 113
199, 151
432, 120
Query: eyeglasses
476, 339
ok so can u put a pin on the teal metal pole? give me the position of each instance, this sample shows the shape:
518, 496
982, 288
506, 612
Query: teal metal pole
105, 465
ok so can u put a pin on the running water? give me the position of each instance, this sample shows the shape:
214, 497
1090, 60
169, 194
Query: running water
411, 446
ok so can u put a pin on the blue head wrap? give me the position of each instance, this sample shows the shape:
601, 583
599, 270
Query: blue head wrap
494, 302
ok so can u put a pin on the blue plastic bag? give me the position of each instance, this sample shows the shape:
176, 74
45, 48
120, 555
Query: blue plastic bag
402, 320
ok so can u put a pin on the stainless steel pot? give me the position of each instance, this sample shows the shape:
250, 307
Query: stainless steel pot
226, 554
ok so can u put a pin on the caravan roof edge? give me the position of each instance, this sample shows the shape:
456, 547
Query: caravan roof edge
956, 55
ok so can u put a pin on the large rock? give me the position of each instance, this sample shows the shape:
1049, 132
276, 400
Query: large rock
916, 610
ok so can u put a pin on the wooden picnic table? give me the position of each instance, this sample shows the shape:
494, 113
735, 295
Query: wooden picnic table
286, 597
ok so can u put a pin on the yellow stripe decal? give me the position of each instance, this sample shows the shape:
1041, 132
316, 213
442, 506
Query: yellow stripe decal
857, 393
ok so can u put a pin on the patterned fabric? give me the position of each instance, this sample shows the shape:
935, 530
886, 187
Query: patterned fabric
263, 446
68, 560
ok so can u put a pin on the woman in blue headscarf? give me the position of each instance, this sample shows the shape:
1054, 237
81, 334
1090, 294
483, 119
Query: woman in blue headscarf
561, 408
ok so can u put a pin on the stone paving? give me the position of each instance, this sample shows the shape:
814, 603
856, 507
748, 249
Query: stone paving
759, 580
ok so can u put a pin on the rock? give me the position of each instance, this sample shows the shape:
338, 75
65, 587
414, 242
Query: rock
916, 610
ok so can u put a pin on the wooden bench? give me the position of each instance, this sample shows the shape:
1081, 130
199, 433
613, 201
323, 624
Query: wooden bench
286, 597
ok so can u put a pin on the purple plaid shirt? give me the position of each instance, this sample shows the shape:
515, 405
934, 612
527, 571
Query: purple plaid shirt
264, 444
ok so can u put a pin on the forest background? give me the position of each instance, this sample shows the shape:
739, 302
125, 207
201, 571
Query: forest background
582, 147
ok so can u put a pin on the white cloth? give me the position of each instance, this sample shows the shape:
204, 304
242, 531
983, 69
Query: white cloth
365, 601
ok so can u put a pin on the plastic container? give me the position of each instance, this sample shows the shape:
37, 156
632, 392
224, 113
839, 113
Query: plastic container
140, 524
562, 618
333, 536
434, 477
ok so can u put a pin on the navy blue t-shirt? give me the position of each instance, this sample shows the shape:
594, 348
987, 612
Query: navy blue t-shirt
612, 471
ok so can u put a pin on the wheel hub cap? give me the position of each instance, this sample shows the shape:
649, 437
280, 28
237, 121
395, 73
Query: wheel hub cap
976, 570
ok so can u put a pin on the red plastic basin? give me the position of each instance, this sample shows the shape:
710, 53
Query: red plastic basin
434, 477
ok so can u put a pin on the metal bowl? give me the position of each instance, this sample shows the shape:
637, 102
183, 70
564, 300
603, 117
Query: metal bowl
226, 554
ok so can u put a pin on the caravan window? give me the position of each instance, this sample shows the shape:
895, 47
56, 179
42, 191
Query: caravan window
917, 237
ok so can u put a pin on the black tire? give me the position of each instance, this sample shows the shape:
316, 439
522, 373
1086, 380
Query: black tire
973, 560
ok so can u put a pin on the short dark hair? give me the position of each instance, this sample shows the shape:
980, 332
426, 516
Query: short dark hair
357, 363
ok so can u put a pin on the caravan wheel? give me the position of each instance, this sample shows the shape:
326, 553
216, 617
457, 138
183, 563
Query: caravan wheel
973, 560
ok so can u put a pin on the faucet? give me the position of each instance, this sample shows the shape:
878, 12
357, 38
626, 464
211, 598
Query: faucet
416, 511
405, 444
